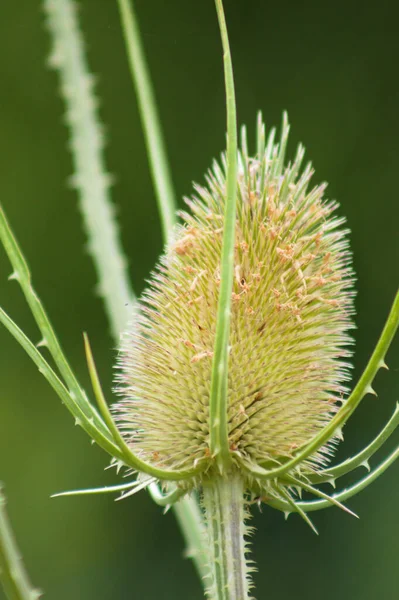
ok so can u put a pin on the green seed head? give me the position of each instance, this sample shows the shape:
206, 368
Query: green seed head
291, 311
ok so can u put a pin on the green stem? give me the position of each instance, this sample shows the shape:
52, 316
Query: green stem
224, 504
150, 120
13, 576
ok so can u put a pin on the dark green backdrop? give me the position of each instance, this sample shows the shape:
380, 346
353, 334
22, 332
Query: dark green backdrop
334, 68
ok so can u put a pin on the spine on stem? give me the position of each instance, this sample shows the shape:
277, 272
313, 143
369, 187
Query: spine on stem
225, 514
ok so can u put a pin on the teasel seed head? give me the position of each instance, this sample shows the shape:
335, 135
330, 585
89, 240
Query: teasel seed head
292, 303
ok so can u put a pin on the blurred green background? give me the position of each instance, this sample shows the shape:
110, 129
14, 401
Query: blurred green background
334, 68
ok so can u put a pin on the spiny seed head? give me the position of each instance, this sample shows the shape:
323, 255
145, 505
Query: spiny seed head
290, 315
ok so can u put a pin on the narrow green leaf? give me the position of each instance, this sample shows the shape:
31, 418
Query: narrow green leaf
81, 416
295, 508
88, 423
345, 494
110, 489
219, 444
316, 492
23, 276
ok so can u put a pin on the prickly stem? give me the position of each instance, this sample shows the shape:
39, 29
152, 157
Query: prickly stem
224, 504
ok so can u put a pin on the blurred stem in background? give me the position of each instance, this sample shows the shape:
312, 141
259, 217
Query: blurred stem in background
92, 183
13, 576
90, 178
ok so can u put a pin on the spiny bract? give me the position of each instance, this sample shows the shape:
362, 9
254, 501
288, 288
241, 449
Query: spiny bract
291, 309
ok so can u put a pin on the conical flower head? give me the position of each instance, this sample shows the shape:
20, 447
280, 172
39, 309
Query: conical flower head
291, 308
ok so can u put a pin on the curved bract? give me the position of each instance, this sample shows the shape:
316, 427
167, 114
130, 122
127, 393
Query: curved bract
361, 459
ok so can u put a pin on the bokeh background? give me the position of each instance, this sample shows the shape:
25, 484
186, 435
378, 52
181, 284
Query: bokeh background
334, 68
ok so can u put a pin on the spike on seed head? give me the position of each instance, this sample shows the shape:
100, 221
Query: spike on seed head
290, 313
